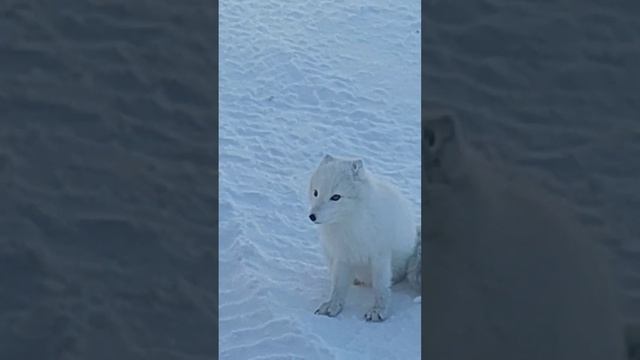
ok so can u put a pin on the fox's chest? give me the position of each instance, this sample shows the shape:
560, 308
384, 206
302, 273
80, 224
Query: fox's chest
348, 246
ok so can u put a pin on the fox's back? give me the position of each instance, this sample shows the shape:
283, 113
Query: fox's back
389, 215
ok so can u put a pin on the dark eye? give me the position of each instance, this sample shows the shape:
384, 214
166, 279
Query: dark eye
431, 137
315, 193
335, 197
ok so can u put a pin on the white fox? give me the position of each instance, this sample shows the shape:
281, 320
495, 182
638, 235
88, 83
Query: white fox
509, 272
367, 231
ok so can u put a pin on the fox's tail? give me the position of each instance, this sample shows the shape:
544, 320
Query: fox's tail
414, 265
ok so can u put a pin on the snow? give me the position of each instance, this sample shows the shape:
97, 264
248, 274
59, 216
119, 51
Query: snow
298, 81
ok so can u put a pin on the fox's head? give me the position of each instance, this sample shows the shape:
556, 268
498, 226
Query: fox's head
442, 149
334, 188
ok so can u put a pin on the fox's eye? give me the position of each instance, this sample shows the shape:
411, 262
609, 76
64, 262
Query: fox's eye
431, 137
315, 193
335, 197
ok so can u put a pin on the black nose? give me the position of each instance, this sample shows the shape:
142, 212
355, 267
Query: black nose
312, 217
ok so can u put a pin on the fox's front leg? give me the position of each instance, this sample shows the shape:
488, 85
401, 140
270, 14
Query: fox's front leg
381, 282
341, 278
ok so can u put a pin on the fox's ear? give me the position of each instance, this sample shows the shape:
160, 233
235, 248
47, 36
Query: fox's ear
356, 166
326, 159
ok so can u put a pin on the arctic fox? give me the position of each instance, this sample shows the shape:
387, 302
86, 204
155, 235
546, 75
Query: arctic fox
508, 268
367, 230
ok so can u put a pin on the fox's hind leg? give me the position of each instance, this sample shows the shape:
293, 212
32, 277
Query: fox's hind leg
358, 282
398, 277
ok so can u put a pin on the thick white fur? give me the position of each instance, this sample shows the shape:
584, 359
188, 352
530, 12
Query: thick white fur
509, 272
368, 234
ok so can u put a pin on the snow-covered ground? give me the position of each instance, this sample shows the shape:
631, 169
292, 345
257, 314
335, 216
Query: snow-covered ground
298, 80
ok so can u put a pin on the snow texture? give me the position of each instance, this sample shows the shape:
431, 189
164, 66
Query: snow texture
106, 169
298, 80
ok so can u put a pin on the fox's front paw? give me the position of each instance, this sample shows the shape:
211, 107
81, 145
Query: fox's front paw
330, 308
376, 314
